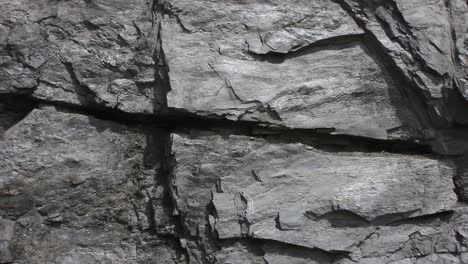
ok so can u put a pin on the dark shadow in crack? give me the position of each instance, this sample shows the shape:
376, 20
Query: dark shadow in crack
340, 219
332, 43
411, 93
408, 109
157, 154
12, 110
445, 216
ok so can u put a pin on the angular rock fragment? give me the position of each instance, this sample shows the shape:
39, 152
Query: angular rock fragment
80, 190
429, 25
330, 201
229, 214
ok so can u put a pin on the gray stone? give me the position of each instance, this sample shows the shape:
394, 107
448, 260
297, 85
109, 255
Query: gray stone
232, 132
293, 90
81, 191
82, 53
233, 28
321, 200
228, 214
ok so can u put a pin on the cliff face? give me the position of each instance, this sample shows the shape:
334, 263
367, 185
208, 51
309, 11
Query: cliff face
233, 131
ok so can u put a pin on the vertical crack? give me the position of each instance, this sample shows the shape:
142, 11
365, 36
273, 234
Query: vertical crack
86, 95
419, 101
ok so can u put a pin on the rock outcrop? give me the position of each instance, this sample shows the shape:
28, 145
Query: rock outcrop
234, 131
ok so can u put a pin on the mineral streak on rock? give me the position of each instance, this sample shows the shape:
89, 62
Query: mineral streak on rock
233, 131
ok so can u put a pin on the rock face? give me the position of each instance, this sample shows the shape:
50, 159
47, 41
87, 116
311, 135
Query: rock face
240, 131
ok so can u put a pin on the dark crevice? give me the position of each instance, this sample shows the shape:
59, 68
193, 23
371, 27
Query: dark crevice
158, 151
45, 18
161, 73
89, 25
166, 180
346, 218
173, 12
182, 122
459, 178
85, 94
12, 112
434, 112
262, 242
407, 86
388, 219
340, 219
460, 238
158, 157
328, 43
388, 9
444, 216
161, 143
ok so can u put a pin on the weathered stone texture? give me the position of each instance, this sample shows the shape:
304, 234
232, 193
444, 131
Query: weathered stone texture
233, 131
294, 89
81, 52
79, 191
321, 200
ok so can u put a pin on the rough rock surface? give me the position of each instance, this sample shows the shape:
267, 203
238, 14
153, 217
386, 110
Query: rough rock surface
81, 52
235, 81
328, 201
79, 191
234, 131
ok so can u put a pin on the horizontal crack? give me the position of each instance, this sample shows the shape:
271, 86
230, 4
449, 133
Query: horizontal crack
179, 121
444, 216
260, 242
